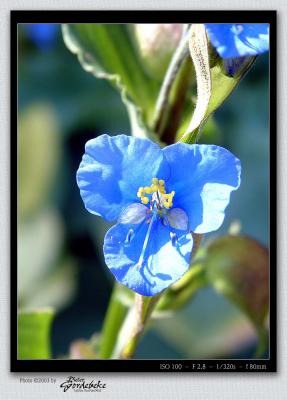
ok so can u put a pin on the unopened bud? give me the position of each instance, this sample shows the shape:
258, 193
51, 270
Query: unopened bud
234, 67
156, 44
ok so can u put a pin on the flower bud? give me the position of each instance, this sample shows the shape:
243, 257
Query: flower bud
156, 44
234, 67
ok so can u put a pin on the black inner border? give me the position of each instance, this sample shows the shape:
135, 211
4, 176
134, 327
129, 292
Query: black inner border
128, 16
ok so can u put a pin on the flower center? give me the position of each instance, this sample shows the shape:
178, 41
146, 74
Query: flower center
156, 195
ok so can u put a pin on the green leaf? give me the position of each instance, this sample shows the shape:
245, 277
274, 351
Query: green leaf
214, 83
238, 268
223, 84
107, 51
34, 334
179, 294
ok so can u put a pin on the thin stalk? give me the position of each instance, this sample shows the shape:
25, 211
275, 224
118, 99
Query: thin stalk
178, 58
113, 321
176, 102
134, 326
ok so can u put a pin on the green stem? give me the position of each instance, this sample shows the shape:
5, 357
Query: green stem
112, 324
178, 58
134, 326
177, 102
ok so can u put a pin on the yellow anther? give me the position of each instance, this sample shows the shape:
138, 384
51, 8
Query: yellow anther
147, 190
158, 185
144, 200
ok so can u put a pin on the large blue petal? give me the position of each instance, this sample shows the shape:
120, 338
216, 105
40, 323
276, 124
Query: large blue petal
202, 176
164, 262
112, 170
238, 40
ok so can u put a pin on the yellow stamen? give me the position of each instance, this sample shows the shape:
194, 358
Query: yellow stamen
145, 200
148, 190
158, 185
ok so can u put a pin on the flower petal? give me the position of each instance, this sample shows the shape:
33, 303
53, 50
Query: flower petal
238, 40
202, 176
134, 214
163, 262
178, 219
112, 170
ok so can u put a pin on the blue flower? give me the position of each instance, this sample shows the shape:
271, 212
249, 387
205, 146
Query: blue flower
239, 40
43, 35
158, 197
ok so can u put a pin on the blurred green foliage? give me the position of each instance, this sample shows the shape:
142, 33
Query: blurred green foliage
34, 334
38, 130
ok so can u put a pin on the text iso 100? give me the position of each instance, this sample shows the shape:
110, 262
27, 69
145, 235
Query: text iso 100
170, 367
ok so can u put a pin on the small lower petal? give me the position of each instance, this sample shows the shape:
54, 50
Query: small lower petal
164, 261
134, 214
178, 219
